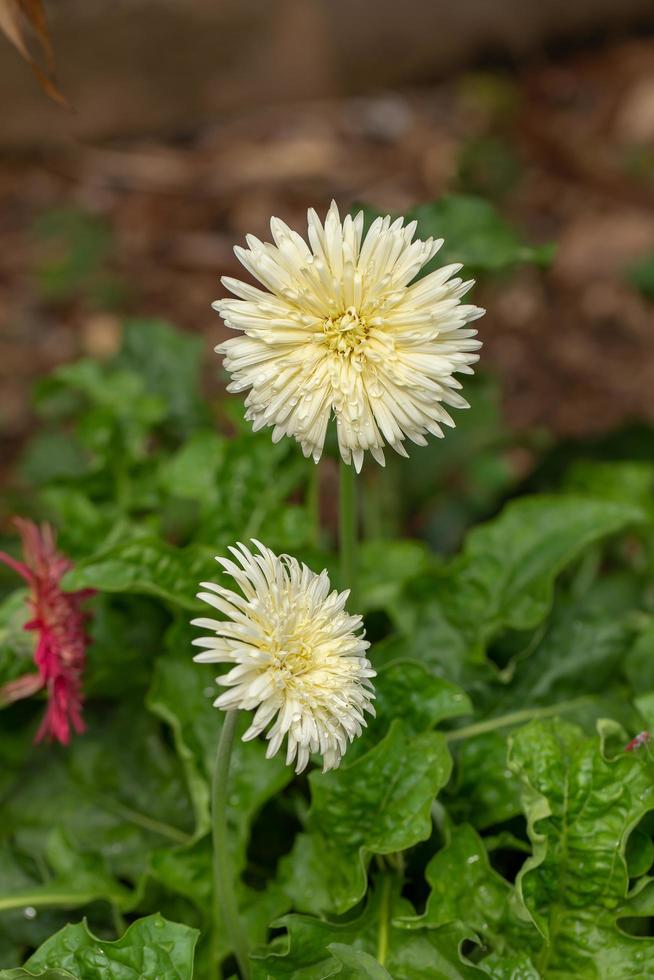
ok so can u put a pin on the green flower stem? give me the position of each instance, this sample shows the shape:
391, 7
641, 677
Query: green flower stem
225, 906
514, 718
118, 921
384, 920
313, 503
347, 524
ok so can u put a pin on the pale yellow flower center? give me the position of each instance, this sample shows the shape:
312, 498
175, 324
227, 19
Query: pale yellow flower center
290, 653
346, 334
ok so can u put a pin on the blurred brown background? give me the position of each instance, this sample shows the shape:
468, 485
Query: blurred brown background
192, 122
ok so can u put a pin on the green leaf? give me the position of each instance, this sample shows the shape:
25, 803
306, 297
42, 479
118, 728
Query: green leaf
74, 247
586, 642
639, 853
81, 523
357, 965
146, 566
253, 483
314, 949
20, 974
629, 481
474, 234
450, 483
416, 694
169, 361
188, 871
504, 577
641, 276
16, 645
581, 807
53, 455
75, 878
151, 948
516, 966
409, 690
639, 662
464, 888
484, 791
115, 798
379, 804
192, 472
182, 694
385, 566
119, 626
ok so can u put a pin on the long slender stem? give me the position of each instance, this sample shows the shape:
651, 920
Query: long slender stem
347, 523
384, 916
514, 718
225, 905
119, 922
313, 503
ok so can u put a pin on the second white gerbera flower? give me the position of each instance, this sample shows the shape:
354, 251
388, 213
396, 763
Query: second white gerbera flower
342, 329
297, 656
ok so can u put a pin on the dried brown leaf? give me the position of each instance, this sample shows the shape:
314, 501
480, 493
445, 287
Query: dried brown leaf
15, 15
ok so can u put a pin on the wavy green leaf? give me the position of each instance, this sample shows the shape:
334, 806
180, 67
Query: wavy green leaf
504, 577
465, 888
581, 807
379, 804
152, 948
313, 948
413, 692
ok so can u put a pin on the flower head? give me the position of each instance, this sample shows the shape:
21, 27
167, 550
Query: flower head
59, 621
342, 328
297, 656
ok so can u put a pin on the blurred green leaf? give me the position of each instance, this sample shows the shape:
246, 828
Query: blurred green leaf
53, 456
74, 251
114, 798
146, 566
188, 871
384, 568
169, 362
16, 645
488, 165
74, 879
641, 276
474, 234
624, 481
503, 579
193, 471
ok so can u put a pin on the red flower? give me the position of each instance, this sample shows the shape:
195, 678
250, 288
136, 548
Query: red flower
58, 619
644, 738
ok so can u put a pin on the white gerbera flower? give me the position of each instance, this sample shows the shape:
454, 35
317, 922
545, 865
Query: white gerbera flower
296, 654
343, 329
